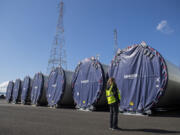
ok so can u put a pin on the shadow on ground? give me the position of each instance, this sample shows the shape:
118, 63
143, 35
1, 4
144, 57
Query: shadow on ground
175, 112
157, 131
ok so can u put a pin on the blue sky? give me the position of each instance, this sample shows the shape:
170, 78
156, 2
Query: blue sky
27, 29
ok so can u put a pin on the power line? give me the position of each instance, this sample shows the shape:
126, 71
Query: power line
115, 42
58, 52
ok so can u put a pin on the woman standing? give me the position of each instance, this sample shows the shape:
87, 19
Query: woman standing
113, 99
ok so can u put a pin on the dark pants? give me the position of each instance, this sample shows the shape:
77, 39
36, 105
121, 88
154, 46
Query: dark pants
114, 115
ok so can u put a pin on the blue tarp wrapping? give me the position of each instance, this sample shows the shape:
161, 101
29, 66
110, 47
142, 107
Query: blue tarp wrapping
9, 91
87, 83
141, 76
25, 89
56, 85
37, 88
16, 91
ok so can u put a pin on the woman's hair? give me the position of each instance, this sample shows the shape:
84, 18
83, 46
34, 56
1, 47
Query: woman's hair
110, 81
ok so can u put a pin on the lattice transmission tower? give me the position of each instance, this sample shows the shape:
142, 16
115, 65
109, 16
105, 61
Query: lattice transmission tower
115, 42
58, 52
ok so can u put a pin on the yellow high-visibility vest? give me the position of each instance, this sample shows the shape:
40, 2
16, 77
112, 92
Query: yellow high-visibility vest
110, 95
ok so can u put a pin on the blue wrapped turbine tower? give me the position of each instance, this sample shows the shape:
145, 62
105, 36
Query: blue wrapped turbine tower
145, 79
89, 84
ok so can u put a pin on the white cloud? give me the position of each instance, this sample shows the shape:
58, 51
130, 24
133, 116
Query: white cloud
164, 27
3, 87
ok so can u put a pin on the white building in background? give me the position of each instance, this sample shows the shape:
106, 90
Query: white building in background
3, 88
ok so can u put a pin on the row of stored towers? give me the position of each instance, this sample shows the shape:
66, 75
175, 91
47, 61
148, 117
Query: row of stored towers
144, 78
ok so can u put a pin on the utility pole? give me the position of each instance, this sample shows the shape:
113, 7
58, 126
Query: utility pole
58, 52
115, 42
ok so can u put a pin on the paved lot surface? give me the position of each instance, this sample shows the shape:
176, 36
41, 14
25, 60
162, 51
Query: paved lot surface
28, 120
